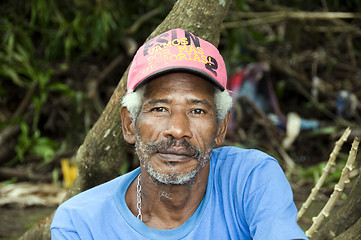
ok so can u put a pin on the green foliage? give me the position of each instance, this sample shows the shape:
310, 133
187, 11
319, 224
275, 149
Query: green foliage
67, 32
314, 172
325, 131
124, 168
15, 55
241, 5
335, 5
34, 144
40, 39
8, 182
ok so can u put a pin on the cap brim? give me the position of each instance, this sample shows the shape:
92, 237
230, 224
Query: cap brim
179, 69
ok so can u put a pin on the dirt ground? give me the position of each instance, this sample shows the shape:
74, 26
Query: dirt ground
15, 221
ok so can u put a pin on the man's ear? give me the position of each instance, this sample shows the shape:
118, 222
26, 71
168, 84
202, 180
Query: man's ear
222, 130
128, 127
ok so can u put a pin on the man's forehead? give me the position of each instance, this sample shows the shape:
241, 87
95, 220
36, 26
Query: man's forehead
178, 78
176, 84
171, 99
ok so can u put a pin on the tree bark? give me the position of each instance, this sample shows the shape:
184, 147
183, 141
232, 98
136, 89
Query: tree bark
353, 232
346, 220
103, 151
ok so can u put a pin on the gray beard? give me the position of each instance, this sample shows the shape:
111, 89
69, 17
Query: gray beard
144, 152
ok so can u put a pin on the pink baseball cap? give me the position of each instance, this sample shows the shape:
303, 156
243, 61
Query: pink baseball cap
177, 50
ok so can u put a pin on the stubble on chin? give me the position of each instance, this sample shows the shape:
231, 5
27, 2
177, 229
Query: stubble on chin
145, 151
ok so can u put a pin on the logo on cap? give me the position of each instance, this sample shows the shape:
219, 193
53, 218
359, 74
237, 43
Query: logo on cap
169, 47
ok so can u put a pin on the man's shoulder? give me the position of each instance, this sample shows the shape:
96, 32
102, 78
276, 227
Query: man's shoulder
90, 205
241, 155
234, 161
96, 195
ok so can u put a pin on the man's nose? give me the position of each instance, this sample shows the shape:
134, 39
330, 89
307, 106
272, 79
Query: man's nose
178, 126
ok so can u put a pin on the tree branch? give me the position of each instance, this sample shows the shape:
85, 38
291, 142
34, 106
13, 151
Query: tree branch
325, 212
326, 170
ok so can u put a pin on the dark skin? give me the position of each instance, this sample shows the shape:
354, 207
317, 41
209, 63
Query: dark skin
176, 106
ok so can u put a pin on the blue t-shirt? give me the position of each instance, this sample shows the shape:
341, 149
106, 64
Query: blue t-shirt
247, 197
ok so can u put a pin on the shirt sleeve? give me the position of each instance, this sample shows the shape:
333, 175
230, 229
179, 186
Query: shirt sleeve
62, 226
62, 234
268, 203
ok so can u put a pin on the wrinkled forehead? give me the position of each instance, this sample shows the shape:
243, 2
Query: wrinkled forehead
175, 85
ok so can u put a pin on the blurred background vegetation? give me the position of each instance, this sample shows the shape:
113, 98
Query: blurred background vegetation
51, 55
60, 61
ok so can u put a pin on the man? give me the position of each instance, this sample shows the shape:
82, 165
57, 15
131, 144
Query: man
176, 112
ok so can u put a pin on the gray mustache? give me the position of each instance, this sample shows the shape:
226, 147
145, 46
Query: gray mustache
168, 144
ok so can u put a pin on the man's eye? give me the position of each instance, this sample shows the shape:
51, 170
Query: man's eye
198, 111
159, 109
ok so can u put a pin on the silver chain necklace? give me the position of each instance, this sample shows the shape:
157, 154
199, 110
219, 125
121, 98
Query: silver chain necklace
139, 199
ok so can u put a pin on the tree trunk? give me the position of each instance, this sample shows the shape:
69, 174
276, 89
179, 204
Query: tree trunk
100, 156
346, 221
353, 232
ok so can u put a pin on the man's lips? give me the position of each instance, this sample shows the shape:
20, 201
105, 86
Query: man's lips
176, 154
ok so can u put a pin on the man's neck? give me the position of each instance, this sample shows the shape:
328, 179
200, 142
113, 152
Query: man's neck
168, 206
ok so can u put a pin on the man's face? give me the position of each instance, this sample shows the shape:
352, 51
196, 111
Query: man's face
176, 128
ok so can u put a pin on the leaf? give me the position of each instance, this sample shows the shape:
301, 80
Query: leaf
11, 41
124, 168
12, 74
256, 35
65, 89
23, 55
69, 170
324, 131
44, 79
24, 142
68, 43
44, 147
